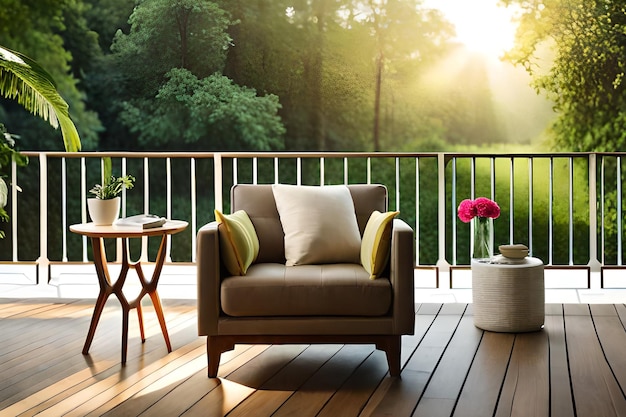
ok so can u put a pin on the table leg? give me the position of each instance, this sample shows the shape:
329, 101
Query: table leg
107, 288
140, 318
95, 318
156, 301
150, 288
125, 312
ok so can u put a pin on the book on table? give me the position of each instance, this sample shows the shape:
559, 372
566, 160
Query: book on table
144, 221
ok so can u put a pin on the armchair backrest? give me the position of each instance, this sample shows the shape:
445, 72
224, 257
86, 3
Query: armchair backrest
258, 202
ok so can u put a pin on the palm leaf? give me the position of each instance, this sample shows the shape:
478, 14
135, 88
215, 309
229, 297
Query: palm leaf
23, 79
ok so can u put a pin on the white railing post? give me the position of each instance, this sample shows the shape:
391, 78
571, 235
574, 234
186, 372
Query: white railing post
146, 206
511, 202
14, 189
255, 170
64, 208
441, 212
194, 211
530, 204
43, 262
594, 263
453, 199
217, 178
398, 184
417, 211
83, 205
168, 203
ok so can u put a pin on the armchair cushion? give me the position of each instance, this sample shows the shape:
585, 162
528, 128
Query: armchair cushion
272, 289
319, 223
376, 242
239, 243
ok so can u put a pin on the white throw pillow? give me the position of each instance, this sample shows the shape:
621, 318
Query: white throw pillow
319, 223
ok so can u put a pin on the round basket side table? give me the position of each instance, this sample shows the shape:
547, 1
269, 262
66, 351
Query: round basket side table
509, 297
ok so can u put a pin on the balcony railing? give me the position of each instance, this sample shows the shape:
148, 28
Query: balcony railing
567, 207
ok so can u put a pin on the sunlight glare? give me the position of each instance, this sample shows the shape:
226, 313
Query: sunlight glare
483, 26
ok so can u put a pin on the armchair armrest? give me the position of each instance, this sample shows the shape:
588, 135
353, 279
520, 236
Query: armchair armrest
208, 279
402, 276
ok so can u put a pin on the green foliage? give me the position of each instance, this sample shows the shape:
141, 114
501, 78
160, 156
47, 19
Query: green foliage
7, 155
112, 186
209, 113
584, 47
26, 81
166, 34
47, 31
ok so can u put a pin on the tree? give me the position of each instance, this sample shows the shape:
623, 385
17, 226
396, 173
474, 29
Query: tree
584, 46
211, 113
166, 34
183, 94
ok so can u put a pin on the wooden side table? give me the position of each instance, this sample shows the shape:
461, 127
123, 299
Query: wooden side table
108, 287
509, 297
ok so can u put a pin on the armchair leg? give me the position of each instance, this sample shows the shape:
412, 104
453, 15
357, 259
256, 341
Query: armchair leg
215, 345
392, 345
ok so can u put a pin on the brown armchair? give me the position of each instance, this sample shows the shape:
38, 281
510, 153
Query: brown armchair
265, 306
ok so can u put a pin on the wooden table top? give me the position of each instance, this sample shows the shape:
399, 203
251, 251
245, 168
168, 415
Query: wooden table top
118, 231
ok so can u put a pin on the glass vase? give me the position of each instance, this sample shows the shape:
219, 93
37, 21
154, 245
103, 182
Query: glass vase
482, 239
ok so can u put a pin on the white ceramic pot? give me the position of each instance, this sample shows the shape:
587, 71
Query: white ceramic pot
103, 212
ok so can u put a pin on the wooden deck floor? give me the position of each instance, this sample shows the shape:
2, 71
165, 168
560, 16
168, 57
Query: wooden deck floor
576, 366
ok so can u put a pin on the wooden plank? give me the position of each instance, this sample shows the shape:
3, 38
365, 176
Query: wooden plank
277, 390
484, 380
349, 400
576, 309
455, 309
245, 380
311, 397
595, 390
161, 376
603, 310
409, 345
75, 387
526, 389
36, 372
429, 309
69, 376
29, 333
403, 394
612, 339
554, 309
185, 393
439, 379
561, 394
445, 385
621, 312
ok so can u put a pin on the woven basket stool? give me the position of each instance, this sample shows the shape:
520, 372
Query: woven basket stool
509, 298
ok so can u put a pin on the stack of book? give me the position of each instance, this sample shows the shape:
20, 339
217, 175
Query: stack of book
144, 221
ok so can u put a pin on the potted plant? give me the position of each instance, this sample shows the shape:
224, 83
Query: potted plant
104, 209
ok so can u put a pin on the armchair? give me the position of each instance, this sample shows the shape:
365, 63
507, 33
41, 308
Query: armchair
278, 304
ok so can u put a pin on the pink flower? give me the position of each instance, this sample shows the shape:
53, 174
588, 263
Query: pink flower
481, 207
466, 211
486, 208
